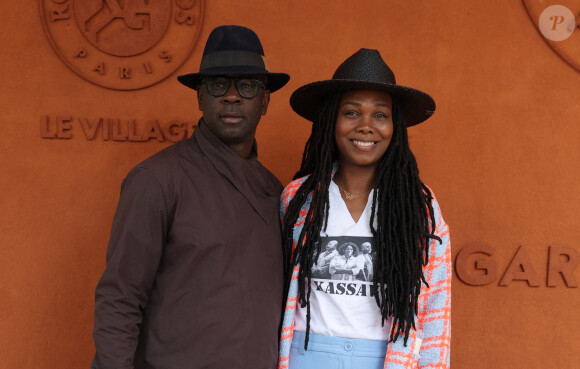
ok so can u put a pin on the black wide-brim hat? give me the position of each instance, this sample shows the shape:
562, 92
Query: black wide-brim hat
233, 50
364, 70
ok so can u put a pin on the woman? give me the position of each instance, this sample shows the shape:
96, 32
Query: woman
359, 182
345, 265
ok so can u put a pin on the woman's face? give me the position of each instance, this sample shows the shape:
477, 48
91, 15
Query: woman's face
348, 251
364, 127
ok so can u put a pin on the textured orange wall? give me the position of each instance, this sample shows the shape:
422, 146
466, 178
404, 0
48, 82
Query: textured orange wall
501, 153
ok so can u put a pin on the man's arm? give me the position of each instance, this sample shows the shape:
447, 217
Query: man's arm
333, 266
133, 255
330, 256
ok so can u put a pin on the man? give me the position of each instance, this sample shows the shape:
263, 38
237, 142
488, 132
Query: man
194, 263
366, 274
320, 269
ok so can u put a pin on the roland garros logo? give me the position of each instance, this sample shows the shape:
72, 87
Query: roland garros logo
122, 44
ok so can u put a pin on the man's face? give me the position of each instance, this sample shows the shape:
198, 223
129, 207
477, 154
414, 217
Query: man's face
230, 117
331, 246
366, 248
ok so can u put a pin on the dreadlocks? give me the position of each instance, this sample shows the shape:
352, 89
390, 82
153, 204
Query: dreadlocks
402, 205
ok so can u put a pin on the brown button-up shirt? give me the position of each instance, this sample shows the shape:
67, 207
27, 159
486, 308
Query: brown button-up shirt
194, 263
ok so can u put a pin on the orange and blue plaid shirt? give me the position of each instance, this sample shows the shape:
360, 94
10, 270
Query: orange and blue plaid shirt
429, 345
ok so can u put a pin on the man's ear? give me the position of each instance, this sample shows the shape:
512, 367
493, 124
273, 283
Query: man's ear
199, 100
265, 102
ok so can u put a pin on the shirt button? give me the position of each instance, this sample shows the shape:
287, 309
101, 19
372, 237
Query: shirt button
348, 346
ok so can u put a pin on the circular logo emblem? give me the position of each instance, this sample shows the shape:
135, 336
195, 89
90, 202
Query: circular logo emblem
122, 44
557, 23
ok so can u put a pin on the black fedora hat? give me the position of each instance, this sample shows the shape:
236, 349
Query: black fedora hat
233, 50
364, 70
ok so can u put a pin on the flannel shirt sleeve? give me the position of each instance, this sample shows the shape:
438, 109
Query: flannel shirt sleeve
429, 345
287, 330
287, 195
434, 320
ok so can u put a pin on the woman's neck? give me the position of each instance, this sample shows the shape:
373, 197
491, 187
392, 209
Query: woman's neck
356, 179
355, 184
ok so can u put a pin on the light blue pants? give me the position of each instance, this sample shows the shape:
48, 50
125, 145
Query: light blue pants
326, 352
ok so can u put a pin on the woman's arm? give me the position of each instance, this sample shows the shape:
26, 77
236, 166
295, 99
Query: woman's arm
434, 320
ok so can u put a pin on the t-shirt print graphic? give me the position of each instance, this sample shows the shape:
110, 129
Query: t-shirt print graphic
342, 299
345, 258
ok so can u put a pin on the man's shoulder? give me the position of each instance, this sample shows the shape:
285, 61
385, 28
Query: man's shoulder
162, 166
181, 150
270, 178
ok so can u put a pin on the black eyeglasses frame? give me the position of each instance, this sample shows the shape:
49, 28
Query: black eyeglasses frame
237, 81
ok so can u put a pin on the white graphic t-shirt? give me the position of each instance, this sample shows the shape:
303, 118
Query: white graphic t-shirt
342, 303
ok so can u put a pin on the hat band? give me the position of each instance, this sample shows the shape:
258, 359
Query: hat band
232, 58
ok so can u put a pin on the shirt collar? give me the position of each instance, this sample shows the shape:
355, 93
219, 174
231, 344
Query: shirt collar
246, 175
222, 157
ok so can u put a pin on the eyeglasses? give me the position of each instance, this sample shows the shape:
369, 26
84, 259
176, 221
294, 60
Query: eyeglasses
219, 86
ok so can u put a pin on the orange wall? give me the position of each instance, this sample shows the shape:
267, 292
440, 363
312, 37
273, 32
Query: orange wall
502, 154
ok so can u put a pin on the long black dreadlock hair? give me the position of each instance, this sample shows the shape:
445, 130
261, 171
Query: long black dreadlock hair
402, 205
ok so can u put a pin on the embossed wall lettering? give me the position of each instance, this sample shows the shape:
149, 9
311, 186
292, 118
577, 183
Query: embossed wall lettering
520, 269
115, 129
477, 265
562, 261
122, 44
